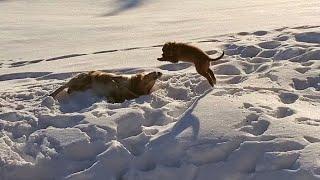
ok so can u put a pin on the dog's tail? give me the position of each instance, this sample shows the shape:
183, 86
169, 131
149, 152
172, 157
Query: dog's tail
217, 58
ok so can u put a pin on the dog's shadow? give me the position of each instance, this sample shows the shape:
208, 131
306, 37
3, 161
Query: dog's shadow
187, 120
175, 67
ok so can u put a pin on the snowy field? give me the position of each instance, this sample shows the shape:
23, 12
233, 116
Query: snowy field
260, 122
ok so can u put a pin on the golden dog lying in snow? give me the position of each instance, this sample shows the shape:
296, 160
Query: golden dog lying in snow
116, 88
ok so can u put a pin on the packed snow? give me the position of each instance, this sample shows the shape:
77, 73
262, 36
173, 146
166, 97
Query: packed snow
260, 121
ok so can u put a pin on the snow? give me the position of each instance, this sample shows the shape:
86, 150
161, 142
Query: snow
260, 121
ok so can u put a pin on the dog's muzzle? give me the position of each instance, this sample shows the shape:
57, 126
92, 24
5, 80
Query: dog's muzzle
153, 75
157, 75
161, 59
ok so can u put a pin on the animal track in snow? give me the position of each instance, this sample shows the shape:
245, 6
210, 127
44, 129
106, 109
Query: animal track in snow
308, 121
271, 161
247, 105
311, 139
259, 60
288, 98
23, 63
254, 123
249, 68
233, 49
226, 69
282, 38
303, 70
243, 33
6, 77
305, 27
249, 118
250, 51
308, 37
106, 51
282, 112
301, 84
309, 63
211, 52
19, 63
208, 40
65, 57
260, 33
309, 55
256, 127
210, 153
288, 53
267, 53
234, 79
269, 44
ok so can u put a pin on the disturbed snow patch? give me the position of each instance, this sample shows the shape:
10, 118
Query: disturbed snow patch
83, 131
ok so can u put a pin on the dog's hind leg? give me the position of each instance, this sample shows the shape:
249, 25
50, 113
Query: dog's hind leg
207, 76
202, 70
212, 76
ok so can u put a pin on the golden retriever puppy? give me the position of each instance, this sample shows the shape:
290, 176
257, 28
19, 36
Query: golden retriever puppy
174, 52
116, 88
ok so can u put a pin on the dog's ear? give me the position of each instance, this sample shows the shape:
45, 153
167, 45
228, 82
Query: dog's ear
92, 72
169, 43
171, 50
140, 76
168, 46
137, 78
165, 46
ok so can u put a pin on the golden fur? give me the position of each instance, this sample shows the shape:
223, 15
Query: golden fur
174, 52
116, 88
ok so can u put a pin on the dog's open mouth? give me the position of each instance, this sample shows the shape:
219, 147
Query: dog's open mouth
161, 59
167, 57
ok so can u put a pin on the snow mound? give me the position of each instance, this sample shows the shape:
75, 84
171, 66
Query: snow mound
308, 37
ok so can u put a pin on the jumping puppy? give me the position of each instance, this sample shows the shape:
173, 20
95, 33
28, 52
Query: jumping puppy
174, 52
116, 88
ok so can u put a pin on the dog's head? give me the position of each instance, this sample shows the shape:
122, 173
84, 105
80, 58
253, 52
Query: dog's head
80, 82
169, 52
143, 83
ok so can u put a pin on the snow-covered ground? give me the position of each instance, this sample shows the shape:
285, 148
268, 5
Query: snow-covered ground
261, 120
